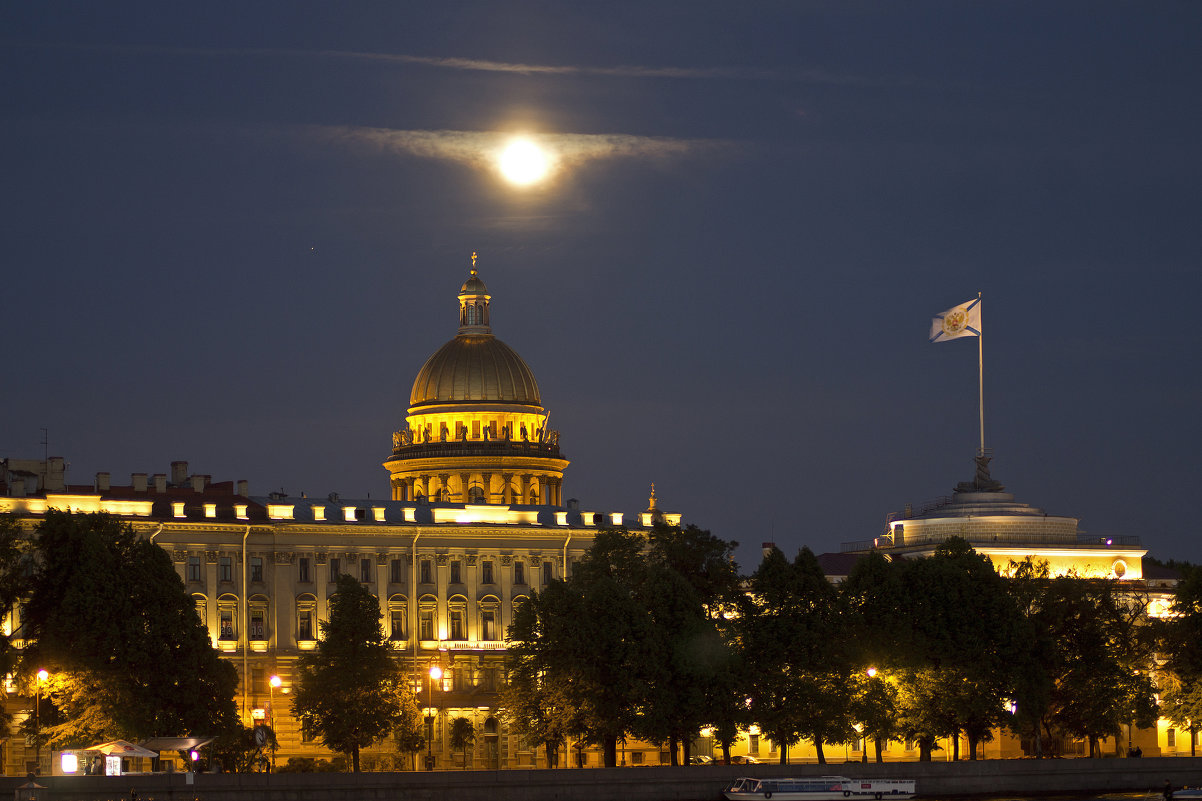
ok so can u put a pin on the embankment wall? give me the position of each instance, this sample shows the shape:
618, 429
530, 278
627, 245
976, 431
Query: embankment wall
1028, 777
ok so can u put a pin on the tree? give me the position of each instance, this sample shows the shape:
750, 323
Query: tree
350, 691
795, 651
112, 623
631, 643
14, 585
239, 751
687, 582
463, 736
577, 650
1181, 703
964, 627
873, 599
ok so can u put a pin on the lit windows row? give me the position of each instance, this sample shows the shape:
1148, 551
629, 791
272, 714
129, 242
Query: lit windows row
366, 570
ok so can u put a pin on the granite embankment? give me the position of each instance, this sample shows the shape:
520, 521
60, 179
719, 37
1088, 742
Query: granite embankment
1028, 777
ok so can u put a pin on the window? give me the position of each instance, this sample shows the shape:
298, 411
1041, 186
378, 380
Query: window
1171, 738
335, 569
256, 568
753, 743
302, 570
306, 611
202, 609
258, 626
488, 679
427, 623
475, 495
488, 625
519, 573
516, 604
458, 629
227, 630
396, 571
396, 620
193, 568
427, 572
456, 573
636, 757
365, 570
547, 575
486, 572
225, 569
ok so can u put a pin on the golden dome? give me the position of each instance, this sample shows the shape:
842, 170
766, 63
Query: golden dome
475, 368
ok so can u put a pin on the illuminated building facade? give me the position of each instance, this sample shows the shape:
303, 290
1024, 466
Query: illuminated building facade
475, 523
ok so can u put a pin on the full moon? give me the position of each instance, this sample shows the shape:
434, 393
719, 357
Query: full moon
523, 163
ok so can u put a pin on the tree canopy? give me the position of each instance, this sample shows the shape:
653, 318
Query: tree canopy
111, 622
630, 643
350, 691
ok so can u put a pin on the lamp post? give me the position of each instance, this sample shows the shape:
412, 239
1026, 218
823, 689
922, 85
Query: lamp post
871, 674
435, 675
272, 683
37, 720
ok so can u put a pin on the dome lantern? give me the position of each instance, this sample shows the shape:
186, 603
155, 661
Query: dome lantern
473, 304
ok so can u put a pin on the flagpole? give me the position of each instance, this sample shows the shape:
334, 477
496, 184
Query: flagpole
981, 377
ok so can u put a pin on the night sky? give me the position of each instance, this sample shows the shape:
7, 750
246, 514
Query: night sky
233, 233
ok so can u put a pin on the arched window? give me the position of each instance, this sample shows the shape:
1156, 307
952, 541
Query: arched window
475, 494
258, 618
202, 607
427, 609
490, 623
457, 618
306, 618
227, 618
516, 604
398, 615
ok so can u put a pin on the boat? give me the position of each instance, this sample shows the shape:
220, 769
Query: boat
818, 788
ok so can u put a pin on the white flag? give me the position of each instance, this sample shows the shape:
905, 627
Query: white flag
960, 321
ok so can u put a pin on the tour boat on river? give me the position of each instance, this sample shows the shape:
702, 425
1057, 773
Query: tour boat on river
819, 788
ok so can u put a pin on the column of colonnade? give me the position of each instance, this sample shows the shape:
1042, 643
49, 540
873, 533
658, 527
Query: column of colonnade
548, 487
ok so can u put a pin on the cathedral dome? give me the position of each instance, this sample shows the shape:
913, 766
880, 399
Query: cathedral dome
475, 368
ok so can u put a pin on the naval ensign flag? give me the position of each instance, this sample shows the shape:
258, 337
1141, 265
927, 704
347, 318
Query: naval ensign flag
959, 321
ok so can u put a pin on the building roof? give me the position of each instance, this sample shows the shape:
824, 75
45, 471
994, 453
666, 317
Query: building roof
475, 368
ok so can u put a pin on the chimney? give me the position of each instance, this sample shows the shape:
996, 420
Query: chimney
198, 483
243, 487
103, 482
139, 482
160, 482
179, 473
766, 548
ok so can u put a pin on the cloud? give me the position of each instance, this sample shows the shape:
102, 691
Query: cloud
793, 75
480, 149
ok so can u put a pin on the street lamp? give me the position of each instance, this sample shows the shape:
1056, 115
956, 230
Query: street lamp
435, 675
272, 683
37, 719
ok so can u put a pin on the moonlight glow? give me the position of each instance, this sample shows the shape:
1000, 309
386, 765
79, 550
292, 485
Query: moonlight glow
523, 163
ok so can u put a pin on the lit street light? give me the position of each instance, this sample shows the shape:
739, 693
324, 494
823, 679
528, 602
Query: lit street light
272, 683
37, 720
435, 675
